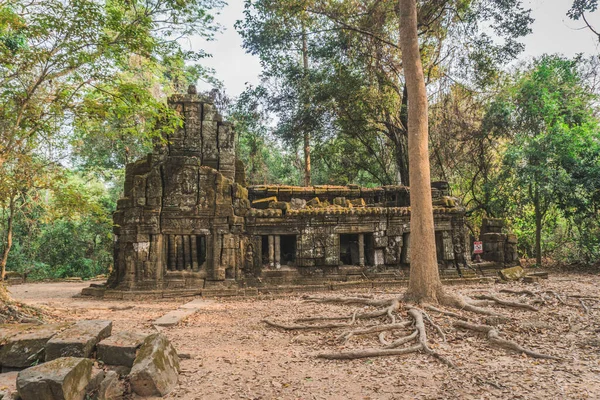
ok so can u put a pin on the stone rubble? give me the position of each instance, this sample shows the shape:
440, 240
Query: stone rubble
114, 366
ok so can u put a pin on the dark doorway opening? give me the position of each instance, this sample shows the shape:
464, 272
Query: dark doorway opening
287, 249
369, 249
265, 249
349, 249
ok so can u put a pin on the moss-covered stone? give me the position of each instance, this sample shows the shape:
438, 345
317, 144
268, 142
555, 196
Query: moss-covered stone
64, 378
156, 367
79, 340
26, 348
512, 274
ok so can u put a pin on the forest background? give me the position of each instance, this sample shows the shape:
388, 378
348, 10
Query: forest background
84, 86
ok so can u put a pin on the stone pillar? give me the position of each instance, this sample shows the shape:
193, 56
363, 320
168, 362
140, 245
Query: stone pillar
172, 253
277, 252
194, 245
271, 251
361, 249
187, 254
180, 254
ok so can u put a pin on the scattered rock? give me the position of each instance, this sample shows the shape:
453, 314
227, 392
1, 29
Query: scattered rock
64, 378
96, 379
297, 204
27, 348
512, 274
120, 348
156, 367
111, 388
172, 318
79, 340
8, 386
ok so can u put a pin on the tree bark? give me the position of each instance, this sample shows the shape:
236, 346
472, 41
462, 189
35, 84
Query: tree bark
9, 232
538, 227
424, 282
307, 180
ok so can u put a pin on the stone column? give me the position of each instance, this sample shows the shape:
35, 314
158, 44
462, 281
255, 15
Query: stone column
187, 254
172, 254
271, 251
194, 246
180, 253
361, 249
277, 252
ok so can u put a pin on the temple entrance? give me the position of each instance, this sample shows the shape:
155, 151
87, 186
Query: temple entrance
185, 252
349, 250
287, 249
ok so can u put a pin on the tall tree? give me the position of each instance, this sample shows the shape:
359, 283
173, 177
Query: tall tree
548, 111
424, 283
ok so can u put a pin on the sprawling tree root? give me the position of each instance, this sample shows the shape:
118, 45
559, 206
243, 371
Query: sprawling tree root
540, 297
399, 335
494, 336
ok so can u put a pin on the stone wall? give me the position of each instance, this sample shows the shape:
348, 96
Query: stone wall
498, 247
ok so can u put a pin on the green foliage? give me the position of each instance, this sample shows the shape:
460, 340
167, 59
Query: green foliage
552, 153
65, 232
83, 87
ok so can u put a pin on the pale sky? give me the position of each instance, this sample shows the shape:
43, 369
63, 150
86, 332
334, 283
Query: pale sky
553, 32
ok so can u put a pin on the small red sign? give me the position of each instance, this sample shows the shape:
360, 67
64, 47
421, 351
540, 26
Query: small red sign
477, 247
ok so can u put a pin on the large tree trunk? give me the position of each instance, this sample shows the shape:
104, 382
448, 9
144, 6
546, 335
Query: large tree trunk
424, 283
306, 106
8, 244
538, 227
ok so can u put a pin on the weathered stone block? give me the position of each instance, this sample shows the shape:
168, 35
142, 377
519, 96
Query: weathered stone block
156, 367
28, 347
297, 204
120, 348
263, 204
8, 386
79, 340
512, 274
315, 202
64, 378
111, 388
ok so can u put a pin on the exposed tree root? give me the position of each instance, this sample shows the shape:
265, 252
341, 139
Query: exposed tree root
494, 336
508, 303
14, 312
295, 327
404, 335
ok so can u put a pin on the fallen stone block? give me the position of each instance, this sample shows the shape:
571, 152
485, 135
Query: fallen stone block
262, 204
156, 367
79, 340
64, 378
111, 388
174, 317
27, 347
120, 348
512, 274
8, 386
96, 378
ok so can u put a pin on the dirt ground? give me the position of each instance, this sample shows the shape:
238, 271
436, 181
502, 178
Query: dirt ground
236, 356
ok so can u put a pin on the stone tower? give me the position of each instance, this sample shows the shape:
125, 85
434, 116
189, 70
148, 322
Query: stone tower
176, 224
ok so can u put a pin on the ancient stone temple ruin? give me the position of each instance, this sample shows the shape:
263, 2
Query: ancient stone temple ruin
188, 221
